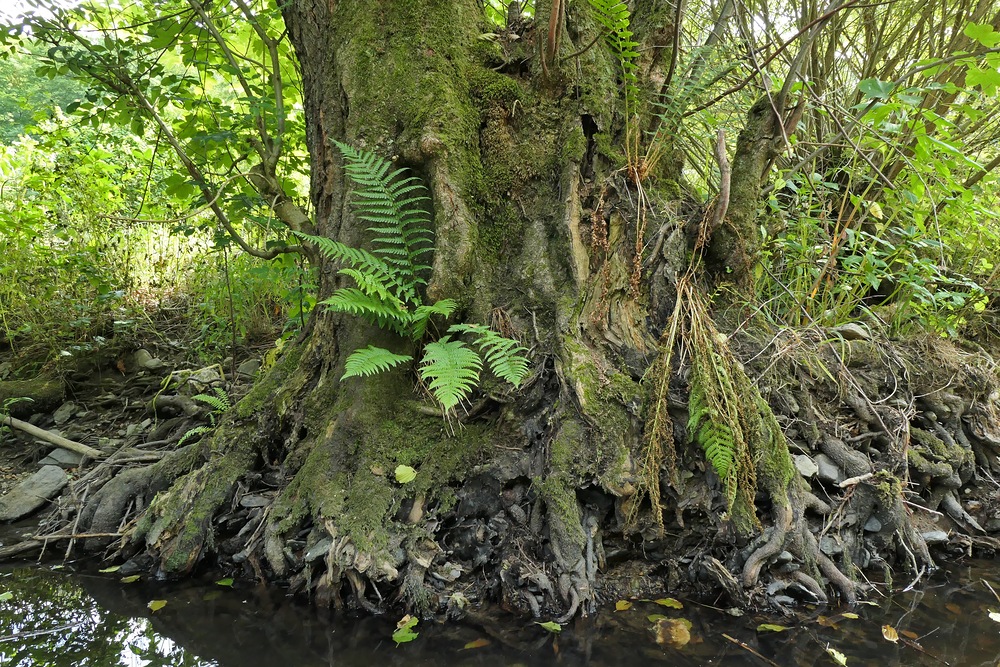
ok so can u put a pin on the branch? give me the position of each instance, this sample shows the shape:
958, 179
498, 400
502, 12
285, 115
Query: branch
52, 438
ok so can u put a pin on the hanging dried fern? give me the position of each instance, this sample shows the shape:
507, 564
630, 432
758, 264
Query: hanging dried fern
727, 416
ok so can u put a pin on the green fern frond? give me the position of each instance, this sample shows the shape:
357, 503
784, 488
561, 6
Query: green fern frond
372, 360
614, 16
392, 204
422, 316
357, 258
382, 313
452, 370
503, 355
191, 433
220, 402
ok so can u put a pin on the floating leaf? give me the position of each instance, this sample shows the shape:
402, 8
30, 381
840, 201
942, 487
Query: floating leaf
653, 618
551, 626
995, 616
623, 605
849, 614
673, 632
771, 627
953, 608
890, 633
156, 605
131, 579
909, 634
6, 595
826, 622
405, 474
837, 656
404, 630
109, 570
477, 643
669, 602
228, 581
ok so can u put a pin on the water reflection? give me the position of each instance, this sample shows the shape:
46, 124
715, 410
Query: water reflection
56, 619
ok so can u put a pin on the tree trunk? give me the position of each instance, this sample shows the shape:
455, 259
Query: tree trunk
529, 494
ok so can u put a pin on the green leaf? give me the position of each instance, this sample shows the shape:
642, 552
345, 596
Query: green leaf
404, 630
130, 579
228, 581
405, 474
5, 596
873, 88
109, 570
982, 33
551, 626
986, 78
156, 605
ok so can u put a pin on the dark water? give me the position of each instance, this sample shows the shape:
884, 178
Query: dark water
55, 618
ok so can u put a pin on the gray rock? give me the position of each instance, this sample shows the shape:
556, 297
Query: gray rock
830, 546
852, 331
32, 493
827, 470
249, 368
146, 361
254, 501
318, 550
65, 411
62, 458
935, 537
805, 465
873, 525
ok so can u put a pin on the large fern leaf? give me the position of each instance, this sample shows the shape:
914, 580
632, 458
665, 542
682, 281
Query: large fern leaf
372, 360
392, 204
452, 370
503, 355
382, 313
614, 16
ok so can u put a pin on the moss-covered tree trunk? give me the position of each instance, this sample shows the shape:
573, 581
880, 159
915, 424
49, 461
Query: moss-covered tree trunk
513, 493
537, 497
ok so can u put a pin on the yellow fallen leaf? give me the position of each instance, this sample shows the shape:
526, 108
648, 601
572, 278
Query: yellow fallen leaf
623, 605
771, 627
890, 633
669, 602
837, 656
849, 614
156, 605
673, 632
130, 579
477, 643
